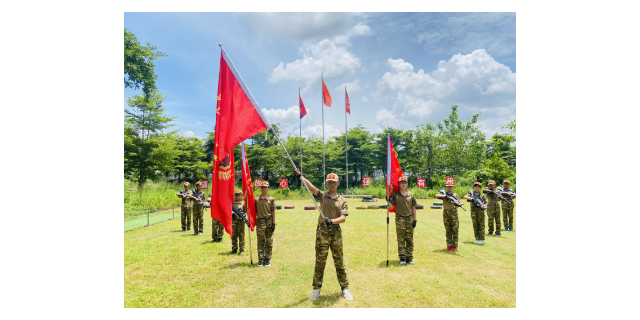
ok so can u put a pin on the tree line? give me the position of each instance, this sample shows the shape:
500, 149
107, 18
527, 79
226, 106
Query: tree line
432, 151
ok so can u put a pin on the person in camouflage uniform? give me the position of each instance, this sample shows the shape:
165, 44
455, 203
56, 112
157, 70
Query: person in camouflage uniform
217, 230
450, 218
197, 210
329, 233
477, 213
185, 209
238, 225
507, 208
266, 214
405, 203
493, 209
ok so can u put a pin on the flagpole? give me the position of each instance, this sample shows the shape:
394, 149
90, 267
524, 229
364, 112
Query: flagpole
294, 167
387, 187
346, 156
324, 174
299, 107
250, 250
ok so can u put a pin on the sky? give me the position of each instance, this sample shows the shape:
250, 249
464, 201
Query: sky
400, 69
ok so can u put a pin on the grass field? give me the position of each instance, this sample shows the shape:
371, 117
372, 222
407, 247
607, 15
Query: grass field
165, 267
155, 217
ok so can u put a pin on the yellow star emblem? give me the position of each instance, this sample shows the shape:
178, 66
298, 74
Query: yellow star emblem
215, 157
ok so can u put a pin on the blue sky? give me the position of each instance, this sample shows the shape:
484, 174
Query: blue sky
400, 69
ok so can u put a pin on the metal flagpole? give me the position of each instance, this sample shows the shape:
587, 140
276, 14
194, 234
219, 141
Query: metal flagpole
294, 167
346, 156
299, 107
250, 251
324, 187
387, 187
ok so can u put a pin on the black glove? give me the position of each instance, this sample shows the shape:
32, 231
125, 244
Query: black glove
273, 227
388, 199
414, 223
328, 221
297, 174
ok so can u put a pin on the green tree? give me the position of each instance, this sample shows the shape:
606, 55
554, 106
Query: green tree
138, 64
147, 148
190, 158
462, 143
426, 156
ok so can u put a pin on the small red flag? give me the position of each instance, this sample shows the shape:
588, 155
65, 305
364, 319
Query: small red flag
347, 105
303, 111
394, 171
326, 97
247, 190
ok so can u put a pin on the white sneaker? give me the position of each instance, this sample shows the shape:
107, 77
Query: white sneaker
315, 294
477, 242
481, 241
346, 294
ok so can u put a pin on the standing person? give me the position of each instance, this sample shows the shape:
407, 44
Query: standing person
493, 208
405, 220
217, 230
238, 225
266, 214
450, 217
477, 213
185, 209
507, 208
197, 209
329, 234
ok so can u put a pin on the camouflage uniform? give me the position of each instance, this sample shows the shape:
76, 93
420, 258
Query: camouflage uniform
404, 223
330, 238
507, 210
477, 218
198, 212
185, 213
217, 230
265, 208
238, 229
451, 223
493, 212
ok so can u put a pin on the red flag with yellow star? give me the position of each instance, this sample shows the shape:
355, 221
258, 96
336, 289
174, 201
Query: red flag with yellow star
238, 117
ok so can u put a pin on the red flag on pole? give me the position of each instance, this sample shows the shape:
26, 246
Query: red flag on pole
303, 111
238, 117
347, 105
394, 171
247, 190
325, 95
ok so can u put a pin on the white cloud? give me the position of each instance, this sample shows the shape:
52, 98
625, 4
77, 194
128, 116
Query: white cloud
365, 99
324, 57
297, 25
359, 29
353, 86
329, 131
475, 82
198, 123
189, 134
288, 119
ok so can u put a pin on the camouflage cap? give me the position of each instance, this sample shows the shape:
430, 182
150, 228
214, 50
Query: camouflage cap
492, 182
264, 184
238, 192
186, 184
402, 178
332, 177
198, 183
507, 182
477, 184
450, 181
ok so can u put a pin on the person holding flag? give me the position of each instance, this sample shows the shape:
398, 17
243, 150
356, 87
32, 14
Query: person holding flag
404, 204
394, 173
328, 233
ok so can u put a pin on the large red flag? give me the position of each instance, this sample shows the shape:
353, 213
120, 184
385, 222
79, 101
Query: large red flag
394, 171
326, 97
347, 105
238, 117
247, 190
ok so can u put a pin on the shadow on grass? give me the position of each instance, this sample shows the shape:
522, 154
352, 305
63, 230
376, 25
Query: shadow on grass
246, 264
473, 243
392, 264
322, 301
445, 251
178, 230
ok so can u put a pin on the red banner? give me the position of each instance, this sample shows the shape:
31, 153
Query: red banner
257, 183
204, 184
422, 183
283, 183
366, 181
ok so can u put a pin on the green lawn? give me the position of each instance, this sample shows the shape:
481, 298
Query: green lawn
155, 217
165, 267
